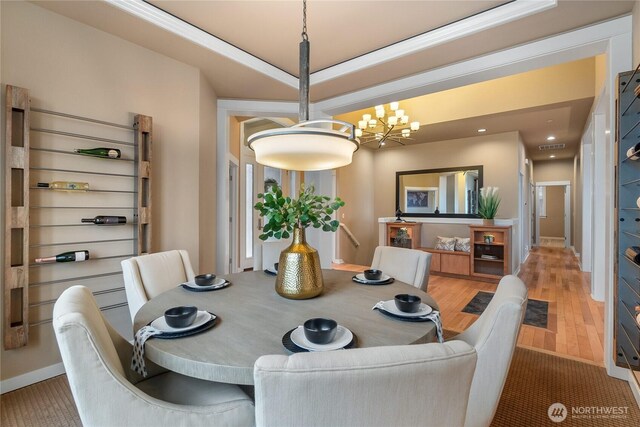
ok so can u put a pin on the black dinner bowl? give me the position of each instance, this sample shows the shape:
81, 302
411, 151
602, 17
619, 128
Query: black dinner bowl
373, 274
408, 303
205, 279
181, 317
320, 331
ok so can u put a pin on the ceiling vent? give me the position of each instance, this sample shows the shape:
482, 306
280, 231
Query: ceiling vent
550, 147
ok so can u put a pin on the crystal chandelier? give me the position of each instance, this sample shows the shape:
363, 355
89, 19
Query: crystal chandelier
392, 125
305, 147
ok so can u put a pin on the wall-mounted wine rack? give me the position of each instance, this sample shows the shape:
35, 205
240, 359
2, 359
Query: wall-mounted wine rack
627, 312
41, 221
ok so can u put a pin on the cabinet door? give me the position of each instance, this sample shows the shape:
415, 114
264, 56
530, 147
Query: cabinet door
454, 264
435, 262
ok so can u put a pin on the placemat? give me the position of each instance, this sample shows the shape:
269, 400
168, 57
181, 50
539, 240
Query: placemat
293, 347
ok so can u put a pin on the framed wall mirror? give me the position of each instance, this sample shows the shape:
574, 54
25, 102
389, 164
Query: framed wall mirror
448, 192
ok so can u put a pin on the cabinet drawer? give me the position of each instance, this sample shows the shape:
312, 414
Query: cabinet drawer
454, 264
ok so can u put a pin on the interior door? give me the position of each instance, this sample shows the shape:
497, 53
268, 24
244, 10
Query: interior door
255, 179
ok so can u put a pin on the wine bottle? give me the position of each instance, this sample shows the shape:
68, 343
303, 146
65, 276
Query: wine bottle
112, 153
65, 185
65, 257
106, 220
633, 153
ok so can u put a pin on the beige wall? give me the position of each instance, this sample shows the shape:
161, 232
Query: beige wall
355, 186
553, 224
636, 34
497, 153
74, 68
207, 188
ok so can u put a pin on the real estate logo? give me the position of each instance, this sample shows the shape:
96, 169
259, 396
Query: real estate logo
557, 412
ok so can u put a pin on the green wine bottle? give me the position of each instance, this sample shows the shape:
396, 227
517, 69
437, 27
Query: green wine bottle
112, 153
65, 257
106, 220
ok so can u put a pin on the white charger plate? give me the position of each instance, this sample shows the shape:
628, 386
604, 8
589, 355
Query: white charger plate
201, 318
342, 338
218, 282
382, 278
390, 307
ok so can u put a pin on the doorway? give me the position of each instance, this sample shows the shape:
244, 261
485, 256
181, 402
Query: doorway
553, 214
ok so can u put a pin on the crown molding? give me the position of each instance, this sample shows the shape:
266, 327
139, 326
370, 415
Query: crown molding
500, 15
168, 22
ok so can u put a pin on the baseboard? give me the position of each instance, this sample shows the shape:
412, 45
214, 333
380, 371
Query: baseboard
11, 384
635, 387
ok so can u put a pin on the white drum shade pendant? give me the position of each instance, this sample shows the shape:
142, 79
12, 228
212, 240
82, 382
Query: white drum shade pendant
305, 146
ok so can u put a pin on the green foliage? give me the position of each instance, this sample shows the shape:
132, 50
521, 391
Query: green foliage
488, 202
283, 213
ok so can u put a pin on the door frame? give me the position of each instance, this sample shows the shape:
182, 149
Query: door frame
567, 210
232, 229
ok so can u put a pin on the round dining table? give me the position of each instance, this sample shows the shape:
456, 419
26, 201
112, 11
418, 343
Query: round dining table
253, 318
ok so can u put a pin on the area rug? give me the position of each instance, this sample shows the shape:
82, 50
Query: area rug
536, 314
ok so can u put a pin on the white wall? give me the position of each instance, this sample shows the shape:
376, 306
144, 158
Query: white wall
71, 67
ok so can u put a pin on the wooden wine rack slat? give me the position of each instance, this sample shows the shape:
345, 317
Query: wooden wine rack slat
16, 262
143, 126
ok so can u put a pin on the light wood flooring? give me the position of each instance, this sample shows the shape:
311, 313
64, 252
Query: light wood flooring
575, 324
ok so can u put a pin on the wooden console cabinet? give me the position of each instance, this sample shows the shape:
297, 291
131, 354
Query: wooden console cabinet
413, 231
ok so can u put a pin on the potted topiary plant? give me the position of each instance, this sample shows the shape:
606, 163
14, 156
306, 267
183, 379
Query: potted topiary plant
299, 272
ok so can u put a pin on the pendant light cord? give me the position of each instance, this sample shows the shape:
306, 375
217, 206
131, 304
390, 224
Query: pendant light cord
304, 20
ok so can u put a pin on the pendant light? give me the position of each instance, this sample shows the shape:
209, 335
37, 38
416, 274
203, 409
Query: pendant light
304, 146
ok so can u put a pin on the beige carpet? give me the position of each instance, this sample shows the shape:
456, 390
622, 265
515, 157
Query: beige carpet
45, 404
535, 381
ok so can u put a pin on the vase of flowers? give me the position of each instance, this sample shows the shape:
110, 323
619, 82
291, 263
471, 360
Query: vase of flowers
299, 271
488, 204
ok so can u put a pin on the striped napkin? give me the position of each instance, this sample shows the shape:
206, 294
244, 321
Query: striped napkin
434, 316
137, 361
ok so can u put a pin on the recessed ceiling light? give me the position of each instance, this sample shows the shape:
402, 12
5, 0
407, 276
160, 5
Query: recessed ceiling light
551, 138
607, 131
482, 130
553, 156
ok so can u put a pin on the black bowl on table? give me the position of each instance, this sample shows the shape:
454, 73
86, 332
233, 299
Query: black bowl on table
181, 317
373, 274
205, 279
320, 330
408, 303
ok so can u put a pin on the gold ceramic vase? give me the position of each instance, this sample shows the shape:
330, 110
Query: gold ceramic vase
299, 272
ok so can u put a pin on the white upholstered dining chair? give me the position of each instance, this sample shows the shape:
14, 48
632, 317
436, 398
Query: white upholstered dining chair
107, 393
412, 385
407, 265
494, 336
148, 276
